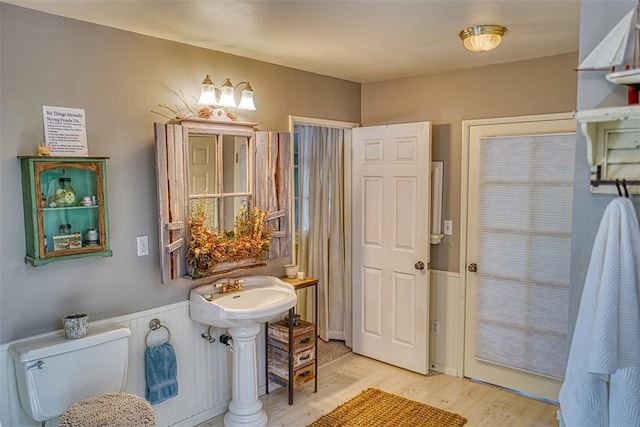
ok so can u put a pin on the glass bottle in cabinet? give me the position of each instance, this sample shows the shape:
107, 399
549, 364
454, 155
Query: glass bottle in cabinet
65, 208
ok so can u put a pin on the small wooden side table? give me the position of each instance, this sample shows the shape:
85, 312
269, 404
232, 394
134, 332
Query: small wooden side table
297, 284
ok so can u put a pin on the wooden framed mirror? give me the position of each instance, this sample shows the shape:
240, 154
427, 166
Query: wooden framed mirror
223, 171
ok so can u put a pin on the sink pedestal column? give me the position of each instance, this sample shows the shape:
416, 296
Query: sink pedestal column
245, 409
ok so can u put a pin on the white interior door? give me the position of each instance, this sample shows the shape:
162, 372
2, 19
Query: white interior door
202, 164
390, 229
203, 176
518, 233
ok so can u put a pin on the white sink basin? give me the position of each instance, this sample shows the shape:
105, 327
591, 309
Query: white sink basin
261, 299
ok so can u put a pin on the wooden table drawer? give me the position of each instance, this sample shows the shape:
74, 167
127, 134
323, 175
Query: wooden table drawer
280, 330
300, 342
300, 375
279, 358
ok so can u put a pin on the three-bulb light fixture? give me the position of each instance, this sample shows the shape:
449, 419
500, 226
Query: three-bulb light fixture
208, 94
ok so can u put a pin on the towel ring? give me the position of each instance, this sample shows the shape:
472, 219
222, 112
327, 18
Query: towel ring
154, 325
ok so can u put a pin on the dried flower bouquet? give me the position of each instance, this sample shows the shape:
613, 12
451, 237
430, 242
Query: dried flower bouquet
207, 248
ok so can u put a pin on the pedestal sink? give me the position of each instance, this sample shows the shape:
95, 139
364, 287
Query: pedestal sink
261, 299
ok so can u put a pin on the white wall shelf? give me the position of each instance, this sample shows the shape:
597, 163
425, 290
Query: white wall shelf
613, 147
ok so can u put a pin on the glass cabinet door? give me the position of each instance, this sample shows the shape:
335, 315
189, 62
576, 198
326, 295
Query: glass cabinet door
65, 208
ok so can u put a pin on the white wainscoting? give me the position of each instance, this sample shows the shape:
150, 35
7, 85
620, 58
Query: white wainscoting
204, 369
445, 299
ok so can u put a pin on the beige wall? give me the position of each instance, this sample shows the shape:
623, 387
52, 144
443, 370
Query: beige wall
118, 78
539, 86
594, 91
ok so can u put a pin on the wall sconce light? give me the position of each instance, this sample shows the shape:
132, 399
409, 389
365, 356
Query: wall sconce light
208, 94
481, 38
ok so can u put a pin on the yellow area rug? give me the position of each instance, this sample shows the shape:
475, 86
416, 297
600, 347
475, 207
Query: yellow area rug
376, 408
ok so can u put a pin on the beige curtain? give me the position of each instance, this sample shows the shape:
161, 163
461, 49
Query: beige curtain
322, 228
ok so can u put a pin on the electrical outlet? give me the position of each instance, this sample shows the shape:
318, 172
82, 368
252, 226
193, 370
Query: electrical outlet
143, 245
448, 227
435, 327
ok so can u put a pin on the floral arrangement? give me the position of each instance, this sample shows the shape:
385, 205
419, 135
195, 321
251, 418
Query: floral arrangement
207, 248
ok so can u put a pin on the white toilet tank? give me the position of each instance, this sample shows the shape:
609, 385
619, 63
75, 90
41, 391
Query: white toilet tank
53, 372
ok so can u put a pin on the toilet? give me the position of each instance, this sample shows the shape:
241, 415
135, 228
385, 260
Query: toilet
53, 372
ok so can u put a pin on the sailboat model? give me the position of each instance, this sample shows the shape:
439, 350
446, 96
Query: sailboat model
618, 49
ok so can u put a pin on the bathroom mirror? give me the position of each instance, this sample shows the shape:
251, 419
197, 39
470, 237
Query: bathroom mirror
218, 175
235, 164
224, 187
221, 211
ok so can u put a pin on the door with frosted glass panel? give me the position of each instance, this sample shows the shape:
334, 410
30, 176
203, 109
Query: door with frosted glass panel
520, 197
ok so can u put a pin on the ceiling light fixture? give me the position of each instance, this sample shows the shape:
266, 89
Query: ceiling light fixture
208, 94
481, 38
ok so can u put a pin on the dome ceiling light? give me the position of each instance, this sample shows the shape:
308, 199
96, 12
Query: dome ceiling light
481, 38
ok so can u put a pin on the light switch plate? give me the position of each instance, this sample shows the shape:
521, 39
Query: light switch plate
143, 245
448, 227
435, 327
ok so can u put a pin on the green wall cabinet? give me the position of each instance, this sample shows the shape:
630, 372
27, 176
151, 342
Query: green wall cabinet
65, 208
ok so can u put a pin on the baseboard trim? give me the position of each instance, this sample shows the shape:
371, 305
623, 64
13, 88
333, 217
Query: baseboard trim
445, 273
444, 369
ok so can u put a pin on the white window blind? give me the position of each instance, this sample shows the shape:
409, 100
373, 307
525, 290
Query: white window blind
524, 237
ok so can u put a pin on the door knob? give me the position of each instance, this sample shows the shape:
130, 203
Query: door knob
419, 265
473, 267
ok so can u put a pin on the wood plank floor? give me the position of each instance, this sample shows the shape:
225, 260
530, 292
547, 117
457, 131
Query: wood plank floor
342, 379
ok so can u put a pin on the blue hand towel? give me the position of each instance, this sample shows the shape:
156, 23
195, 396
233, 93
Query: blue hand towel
161, 372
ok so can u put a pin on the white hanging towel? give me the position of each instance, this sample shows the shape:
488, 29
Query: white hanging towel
602, 383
